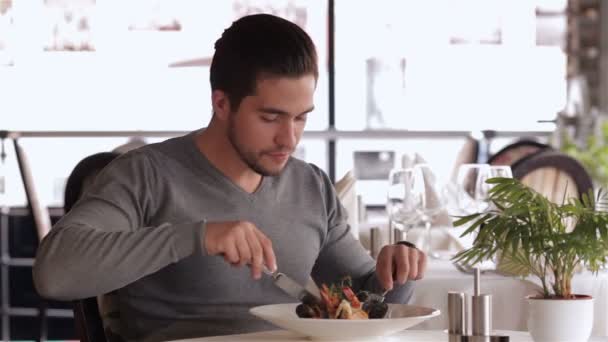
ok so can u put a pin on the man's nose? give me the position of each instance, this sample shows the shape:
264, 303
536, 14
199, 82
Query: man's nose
288, 135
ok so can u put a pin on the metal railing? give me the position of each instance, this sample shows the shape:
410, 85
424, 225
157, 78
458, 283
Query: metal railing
312, 134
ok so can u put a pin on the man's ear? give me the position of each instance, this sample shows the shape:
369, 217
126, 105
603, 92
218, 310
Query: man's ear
221, 104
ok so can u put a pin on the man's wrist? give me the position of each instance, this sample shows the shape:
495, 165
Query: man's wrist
406, 243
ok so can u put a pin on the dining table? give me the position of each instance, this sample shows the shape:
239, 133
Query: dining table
509, 303
403, 336
510, 307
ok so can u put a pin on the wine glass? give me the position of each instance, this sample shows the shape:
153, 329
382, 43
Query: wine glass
401, 203
472, 188
503, 171
475, 190
483, 188
429, 200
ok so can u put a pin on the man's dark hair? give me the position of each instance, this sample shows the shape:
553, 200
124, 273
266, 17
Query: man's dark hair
257, 46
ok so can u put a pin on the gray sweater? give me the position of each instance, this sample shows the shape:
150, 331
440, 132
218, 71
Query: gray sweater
138, 230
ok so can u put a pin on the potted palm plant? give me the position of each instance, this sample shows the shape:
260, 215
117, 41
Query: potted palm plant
530, 235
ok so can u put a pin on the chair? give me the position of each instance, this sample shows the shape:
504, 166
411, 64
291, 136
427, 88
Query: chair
554, 174
83, 174
511, 153
87, 317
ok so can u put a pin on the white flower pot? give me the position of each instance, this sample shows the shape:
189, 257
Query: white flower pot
560, 320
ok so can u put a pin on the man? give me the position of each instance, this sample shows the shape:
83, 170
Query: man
183, 228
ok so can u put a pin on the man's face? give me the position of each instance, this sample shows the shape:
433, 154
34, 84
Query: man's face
268, 125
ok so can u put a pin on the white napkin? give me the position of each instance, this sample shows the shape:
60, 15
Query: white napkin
347, 193
442, 218
406, 161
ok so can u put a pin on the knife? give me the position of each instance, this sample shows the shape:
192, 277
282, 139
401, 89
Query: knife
290, 286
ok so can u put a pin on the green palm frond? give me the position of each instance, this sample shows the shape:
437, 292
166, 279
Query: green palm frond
519, 265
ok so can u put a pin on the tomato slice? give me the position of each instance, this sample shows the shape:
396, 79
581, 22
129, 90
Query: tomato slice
352, 298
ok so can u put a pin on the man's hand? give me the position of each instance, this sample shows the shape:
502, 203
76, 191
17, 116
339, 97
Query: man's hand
240, 243
398, 264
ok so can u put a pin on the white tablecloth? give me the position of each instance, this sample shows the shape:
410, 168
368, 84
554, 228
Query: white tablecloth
406, 335
509, 306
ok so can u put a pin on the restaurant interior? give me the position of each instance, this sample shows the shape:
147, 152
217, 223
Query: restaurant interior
449, 88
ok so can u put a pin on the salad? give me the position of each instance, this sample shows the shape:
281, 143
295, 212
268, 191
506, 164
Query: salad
339, 301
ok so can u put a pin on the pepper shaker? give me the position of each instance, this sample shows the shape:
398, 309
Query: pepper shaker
481, 307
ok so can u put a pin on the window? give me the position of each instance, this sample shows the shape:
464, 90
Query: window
437, 66
447, 65
114, 65
465, 65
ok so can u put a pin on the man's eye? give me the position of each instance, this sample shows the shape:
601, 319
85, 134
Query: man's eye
301, 118
269, 118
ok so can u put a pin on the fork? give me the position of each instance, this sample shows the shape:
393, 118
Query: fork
379, 297
383, 295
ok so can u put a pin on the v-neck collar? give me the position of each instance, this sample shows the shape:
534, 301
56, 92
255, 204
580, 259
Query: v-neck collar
205, 165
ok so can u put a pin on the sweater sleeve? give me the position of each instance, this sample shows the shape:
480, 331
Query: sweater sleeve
342, 255
104, 242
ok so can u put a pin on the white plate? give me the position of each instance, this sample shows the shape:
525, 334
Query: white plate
401, 317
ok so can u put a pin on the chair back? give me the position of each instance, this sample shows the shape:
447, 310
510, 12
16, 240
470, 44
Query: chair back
553, 174
89, 324
512, 153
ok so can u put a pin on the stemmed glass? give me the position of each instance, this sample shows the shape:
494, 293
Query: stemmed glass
429, 200
503, 171
472, 188
492, 171
401, 203
474, 192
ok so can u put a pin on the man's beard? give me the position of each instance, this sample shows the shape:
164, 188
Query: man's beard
251, 158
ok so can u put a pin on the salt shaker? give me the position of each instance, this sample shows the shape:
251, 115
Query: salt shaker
456, 313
